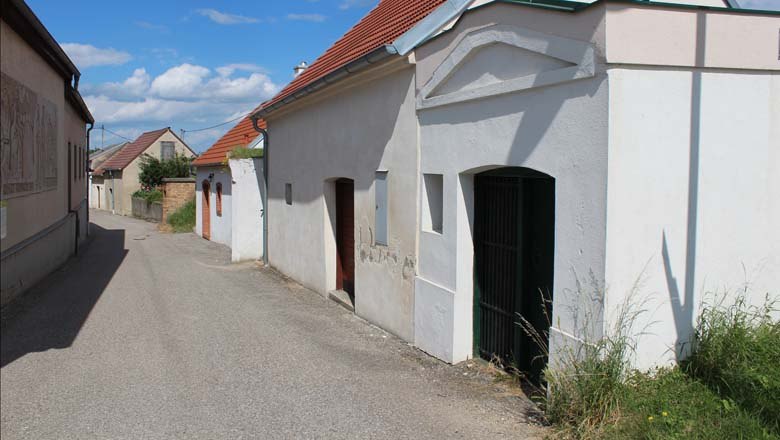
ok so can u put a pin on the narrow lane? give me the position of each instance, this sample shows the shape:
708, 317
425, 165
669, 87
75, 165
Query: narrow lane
150, 335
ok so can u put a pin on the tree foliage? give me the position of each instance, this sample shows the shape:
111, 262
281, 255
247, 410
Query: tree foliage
154, 170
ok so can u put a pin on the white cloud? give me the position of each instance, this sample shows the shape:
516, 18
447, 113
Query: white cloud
180, 81
87, 55
225, 18
184, 91
134, 86
768, 5
348, 4
316, 18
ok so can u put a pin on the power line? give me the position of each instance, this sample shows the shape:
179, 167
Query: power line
115, 134
218, 125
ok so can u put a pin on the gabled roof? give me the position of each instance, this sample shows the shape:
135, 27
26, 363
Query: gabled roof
99, 157
383, 24
239, 136
129, 152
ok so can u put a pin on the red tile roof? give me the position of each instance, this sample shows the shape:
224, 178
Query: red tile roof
383, 24
129, 152
239, 136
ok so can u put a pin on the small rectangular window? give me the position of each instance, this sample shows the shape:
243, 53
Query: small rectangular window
288, 193
167, 150
380, 188
433, 199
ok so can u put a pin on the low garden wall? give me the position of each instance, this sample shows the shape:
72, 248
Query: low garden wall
151, 211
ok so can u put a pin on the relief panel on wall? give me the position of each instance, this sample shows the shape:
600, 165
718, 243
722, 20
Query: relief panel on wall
28, 137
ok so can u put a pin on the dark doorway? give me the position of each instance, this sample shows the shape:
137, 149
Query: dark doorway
345, 237
514, 233
206, 210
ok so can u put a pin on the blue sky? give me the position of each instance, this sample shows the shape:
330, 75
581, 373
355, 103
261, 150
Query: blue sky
189, 64
193, 64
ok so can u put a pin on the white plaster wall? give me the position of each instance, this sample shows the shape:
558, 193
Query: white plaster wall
351, 134
733, 238
248, 189
560, 130
220, 226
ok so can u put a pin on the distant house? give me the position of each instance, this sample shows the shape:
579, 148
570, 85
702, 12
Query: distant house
454, 165
118, 175
44, 145
97, 191
227, 193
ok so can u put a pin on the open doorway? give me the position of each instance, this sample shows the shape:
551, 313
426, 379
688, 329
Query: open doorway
345, 237
206, 210
514, 234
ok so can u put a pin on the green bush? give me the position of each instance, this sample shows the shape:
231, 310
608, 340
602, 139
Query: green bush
736, 352
154, 170
183, 219
245, 153
154, 195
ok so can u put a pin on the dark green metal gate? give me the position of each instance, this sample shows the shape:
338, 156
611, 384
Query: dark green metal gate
513, 262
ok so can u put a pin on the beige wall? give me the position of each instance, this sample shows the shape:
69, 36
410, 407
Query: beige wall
676, 37
128, 183
30, 213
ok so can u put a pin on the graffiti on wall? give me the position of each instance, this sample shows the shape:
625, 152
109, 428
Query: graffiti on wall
28, 137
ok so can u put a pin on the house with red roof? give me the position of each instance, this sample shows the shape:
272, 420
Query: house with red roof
227, 194
458, 167
116, 179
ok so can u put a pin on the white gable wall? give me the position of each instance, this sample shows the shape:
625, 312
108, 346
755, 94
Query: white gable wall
559, 129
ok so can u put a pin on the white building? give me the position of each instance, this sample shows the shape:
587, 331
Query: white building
451, 173
229, 194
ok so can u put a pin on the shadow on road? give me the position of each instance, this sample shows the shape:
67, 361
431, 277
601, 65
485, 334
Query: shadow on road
52, 313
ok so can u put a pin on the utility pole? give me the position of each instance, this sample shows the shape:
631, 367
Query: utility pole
102, 135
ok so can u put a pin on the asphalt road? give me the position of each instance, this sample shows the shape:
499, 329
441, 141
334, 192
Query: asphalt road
147, 335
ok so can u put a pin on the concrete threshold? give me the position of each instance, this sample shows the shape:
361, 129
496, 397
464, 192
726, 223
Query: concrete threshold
342, 298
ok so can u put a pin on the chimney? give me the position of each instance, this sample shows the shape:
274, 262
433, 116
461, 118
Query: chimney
300, 68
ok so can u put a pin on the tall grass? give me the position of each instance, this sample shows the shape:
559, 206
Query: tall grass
729, 388
736, 352
183, 219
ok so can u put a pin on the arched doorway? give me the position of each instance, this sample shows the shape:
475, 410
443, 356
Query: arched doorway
206, 210
514, 234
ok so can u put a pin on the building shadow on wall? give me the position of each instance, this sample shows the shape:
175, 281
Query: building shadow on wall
684, 312
52, 313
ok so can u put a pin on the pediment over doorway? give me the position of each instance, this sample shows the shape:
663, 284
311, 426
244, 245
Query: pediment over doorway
503, 59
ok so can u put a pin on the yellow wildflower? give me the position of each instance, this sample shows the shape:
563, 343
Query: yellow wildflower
649, 418
664, 413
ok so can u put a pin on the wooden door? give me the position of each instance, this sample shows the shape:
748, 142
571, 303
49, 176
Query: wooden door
345, 236
206, 210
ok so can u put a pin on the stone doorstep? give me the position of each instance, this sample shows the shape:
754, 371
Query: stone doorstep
341, 298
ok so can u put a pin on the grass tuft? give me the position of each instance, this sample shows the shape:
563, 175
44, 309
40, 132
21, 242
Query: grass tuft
183, 219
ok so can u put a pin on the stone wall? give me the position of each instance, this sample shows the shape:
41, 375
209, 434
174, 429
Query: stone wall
176, 192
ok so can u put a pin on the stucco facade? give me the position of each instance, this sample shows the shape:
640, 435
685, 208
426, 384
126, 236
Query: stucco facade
351, 133
247, 195
644, 151
44, 138
644, 117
